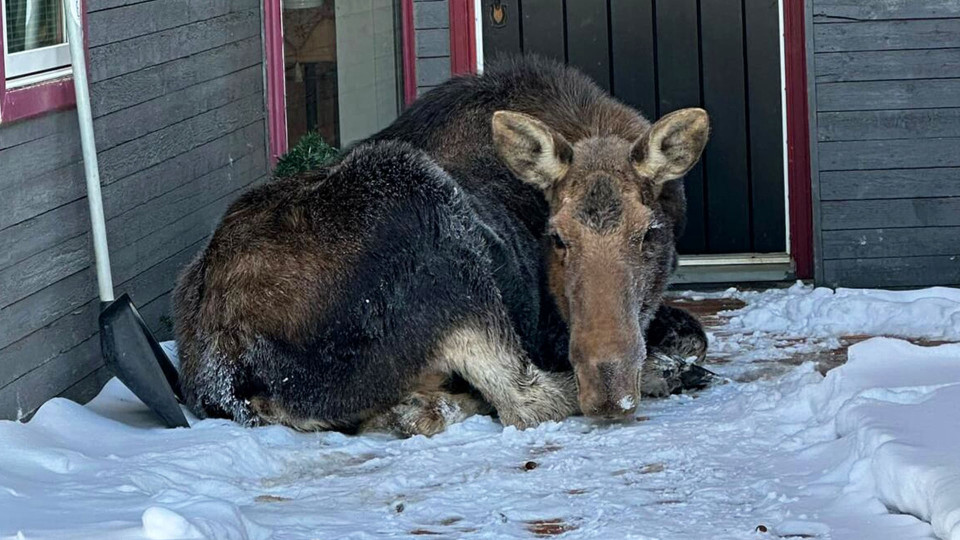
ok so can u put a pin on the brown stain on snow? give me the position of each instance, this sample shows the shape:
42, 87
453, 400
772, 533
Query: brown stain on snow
549, 527
271, 499
708, 311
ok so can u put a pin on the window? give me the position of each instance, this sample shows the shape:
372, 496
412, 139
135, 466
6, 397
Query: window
36, 59
342, 67
35, 41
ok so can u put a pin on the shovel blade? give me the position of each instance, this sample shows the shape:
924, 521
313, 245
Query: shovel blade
132, 353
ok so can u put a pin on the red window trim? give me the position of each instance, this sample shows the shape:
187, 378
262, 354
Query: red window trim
798, 139
36, 99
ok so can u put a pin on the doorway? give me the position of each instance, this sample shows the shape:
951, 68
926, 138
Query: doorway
334, 67
659, 56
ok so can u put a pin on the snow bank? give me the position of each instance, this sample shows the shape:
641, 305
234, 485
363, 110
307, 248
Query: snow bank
898, 404
803, 310
868, 452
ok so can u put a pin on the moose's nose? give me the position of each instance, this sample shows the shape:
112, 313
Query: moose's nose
608, 389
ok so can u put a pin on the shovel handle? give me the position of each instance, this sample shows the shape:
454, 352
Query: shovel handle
73, 11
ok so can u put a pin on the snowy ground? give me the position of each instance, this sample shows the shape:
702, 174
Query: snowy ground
869, 452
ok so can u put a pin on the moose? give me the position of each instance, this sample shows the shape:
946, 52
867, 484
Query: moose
502, 247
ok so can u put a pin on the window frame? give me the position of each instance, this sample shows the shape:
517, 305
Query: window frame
34, 94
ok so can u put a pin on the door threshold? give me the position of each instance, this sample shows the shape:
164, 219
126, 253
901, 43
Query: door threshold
732, 259
733, 268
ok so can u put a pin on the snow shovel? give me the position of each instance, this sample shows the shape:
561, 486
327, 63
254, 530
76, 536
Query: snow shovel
129, 349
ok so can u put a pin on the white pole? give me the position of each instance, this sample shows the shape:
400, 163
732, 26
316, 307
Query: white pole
74, 16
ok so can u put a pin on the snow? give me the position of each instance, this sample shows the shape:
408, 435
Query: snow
932, 313
869, 451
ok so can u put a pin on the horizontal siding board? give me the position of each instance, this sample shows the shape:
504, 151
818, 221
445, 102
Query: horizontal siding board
130, 227
48, 342
45, 306
889, 124
60, 261
40, 156
94, 6
158, 313
146, 18
155, 81
60, 224
69, 220
179, 116
152, 182
893, 272
890, 213
51, 303
27, 198
892, 154
116, 128
131, 55
887, 35
906, 242
888, 65
44, 268
21, 241
859, 10
88, 387
431, 15
25, 370
159, 146
79, 325
30, 391
140, 256
878, 95
23, 132
889, 184
435, 42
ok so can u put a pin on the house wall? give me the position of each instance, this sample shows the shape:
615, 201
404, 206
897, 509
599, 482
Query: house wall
178, 101
886, 77
431, 23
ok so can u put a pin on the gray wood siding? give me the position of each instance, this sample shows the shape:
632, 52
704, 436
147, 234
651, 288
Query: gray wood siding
431, 23
887, 121
178, 102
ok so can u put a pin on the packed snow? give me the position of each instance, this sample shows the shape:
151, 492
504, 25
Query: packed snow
868, 451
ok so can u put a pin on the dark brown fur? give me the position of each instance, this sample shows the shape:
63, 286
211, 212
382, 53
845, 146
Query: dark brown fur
330, 300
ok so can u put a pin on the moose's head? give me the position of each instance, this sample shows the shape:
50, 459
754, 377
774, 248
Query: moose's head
610, 244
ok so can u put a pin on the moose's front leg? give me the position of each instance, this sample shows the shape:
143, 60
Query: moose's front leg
676, 342
676, 332
489, 357
427, 412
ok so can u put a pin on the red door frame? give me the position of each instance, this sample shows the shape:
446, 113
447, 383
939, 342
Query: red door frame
463, 37
275, 78
799, 179
463, 59
408, 51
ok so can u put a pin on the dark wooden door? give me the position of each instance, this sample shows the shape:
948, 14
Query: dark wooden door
663, 55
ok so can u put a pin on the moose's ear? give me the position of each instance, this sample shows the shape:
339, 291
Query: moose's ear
672, 146
534, 152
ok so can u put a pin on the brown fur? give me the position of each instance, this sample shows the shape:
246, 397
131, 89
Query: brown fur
335, 299
606, 273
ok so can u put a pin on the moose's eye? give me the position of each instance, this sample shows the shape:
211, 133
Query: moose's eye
557, 241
